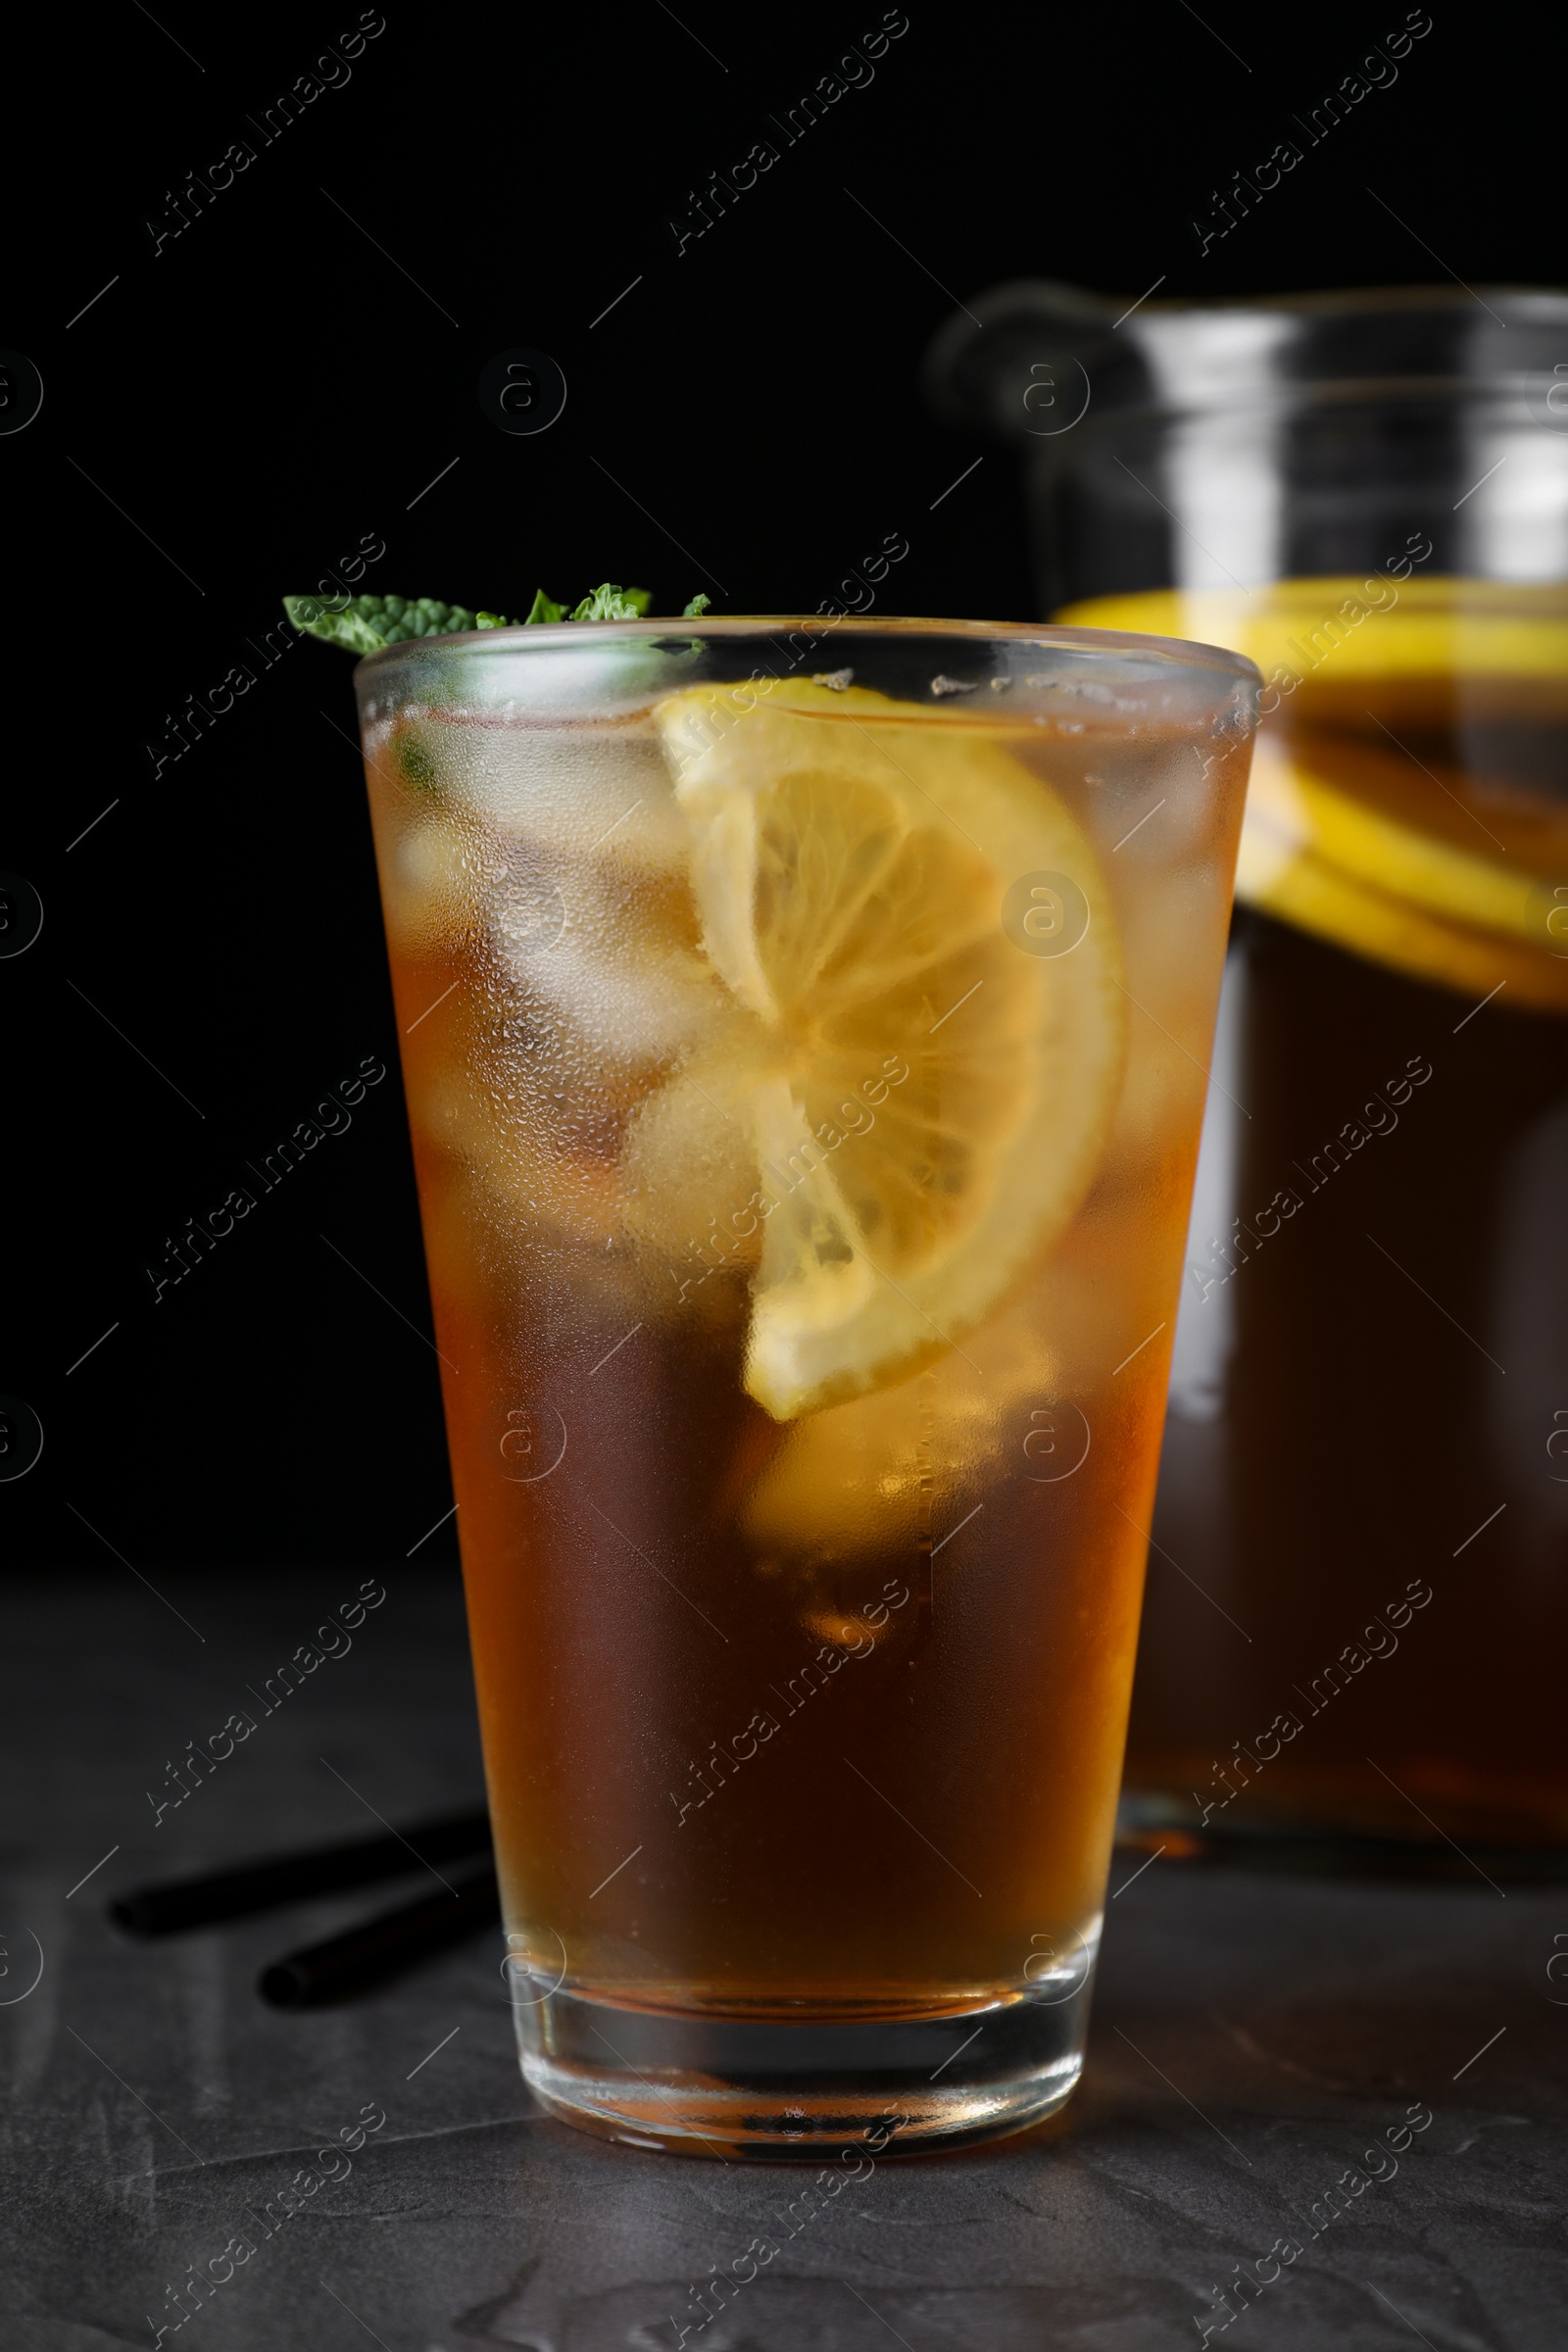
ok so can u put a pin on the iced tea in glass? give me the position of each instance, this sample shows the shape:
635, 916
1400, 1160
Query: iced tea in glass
804, 1032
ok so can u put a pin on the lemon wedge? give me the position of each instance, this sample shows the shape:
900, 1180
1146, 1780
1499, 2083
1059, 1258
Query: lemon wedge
1368, 815
924, 1099
1416, 647
1276, 871
1354, 834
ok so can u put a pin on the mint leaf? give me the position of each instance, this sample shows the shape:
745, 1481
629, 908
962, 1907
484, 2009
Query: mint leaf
609, 603
363, 624
346, 628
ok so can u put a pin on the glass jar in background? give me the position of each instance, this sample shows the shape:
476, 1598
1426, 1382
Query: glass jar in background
1358, 1598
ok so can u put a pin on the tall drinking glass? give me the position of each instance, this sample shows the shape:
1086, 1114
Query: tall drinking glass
805, 1033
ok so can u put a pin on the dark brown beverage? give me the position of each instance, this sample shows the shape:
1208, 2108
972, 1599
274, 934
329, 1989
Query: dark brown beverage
1366, 1467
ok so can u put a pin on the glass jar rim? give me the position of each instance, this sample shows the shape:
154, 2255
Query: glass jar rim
1331, 393
1280, 354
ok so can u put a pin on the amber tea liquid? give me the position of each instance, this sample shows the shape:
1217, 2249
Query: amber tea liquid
1383, 1348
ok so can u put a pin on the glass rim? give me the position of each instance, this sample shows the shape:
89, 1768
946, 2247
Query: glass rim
1330, 301
1330, 393
1180, 653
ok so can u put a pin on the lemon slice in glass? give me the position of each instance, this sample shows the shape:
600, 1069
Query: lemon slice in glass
924, 1095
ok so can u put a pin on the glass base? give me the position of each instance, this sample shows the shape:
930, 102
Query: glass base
700, 2085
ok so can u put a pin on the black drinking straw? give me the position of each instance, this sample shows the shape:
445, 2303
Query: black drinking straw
344, 1964
291, 1877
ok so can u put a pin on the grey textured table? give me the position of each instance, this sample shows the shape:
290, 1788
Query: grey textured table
1252, 2039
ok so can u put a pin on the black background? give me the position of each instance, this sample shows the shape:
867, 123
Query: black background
237, 411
